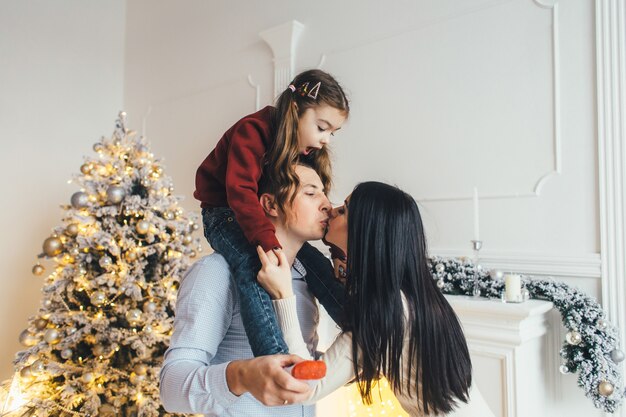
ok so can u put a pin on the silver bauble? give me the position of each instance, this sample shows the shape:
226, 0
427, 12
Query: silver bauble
573, 337
115, 194
105, 262
88, 377
142, 227
147, 328
564, 369
71, 229
605, 388
617, 355
141, 369
602, 324
440, 268
52, 336
107, 410
440, 283
97, 298
28, 339
37, 367
80, 200
133, 316
47, 303
52, 246
66, 353
149, 307
40, 323
38, 270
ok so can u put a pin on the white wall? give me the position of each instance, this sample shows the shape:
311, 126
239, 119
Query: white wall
446, 95
61, 86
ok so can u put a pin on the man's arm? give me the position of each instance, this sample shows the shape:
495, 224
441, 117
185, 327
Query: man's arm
189, 383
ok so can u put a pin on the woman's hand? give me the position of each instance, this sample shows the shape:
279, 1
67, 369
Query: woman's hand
275, 273
341, 271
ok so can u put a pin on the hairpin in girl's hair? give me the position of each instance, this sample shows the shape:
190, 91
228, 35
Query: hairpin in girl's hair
303, 90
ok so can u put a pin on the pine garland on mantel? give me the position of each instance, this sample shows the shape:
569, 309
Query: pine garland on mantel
591, 346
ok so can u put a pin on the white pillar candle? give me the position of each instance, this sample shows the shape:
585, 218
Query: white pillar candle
512, 287
476, 215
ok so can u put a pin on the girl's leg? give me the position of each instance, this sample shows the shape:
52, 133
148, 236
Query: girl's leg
257, 313
321, 281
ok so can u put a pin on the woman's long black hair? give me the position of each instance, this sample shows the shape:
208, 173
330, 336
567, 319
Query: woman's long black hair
387, 257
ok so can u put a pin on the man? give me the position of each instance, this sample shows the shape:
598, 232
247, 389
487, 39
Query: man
209, 366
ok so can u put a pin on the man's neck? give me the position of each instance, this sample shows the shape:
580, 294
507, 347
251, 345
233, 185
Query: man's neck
291, 246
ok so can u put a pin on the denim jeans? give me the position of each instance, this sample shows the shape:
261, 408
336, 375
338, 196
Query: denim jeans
257, 313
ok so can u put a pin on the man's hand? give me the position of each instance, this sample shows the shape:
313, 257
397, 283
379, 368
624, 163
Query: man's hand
265, 378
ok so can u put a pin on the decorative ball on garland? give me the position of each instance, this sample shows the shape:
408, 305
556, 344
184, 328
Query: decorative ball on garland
605, 388
573, 337
617, 355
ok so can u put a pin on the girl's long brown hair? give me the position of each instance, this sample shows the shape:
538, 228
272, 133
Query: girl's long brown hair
281, 157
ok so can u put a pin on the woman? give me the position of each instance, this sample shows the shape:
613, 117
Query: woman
397, 322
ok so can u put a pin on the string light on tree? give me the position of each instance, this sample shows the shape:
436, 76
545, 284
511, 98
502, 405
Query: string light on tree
93, 349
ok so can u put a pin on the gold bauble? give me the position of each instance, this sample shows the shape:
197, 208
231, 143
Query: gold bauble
26, 373
149, 307
37, 367
131, 255
52, 336
193, 254
187, 239
133, 316
38, 269
72, 229
28, 339
97, 298
52, 246
98, 350
86, 169
40, 323
141, 369
142, 227
605, 388
88, 377
79, 200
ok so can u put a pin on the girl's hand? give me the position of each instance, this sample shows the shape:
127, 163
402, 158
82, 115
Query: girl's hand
275, 273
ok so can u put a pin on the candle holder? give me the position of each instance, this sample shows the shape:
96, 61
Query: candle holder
476, 246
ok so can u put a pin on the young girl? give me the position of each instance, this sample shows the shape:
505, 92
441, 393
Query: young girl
269, 142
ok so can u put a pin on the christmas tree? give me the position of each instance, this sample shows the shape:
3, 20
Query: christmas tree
96, 345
